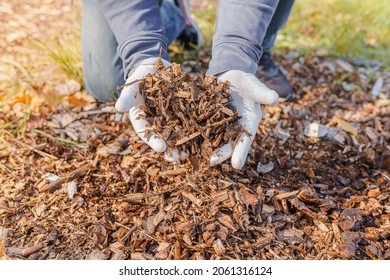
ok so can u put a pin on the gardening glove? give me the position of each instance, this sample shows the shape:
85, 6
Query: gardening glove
247, 94
131, 101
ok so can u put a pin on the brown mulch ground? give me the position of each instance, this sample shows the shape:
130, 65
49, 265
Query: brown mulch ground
81, 185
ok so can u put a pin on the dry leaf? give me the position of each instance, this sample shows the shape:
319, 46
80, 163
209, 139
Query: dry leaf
346, 126
26, 98
68, 87
76, 102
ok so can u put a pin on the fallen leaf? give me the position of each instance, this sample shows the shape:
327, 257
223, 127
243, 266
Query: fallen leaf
346, 126
68, 87
26, 98
76, 102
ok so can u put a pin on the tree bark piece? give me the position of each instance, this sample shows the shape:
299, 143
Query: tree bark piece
79, 172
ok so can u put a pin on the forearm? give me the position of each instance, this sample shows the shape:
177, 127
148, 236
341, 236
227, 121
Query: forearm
240, 30
137, 28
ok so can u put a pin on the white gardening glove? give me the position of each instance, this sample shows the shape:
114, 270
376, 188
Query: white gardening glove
131, 102
247, 94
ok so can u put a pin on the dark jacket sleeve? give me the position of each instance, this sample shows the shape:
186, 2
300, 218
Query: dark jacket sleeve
138, 29
239, 31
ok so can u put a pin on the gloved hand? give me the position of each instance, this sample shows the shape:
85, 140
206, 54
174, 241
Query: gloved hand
131, 102
247, 93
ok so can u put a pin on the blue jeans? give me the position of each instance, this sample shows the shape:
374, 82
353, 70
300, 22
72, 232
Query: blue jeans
103, 69
279, 19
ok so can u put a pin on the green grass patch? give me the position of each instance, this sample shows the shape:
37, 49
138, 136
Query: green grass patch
347, 28
205, 19
65, 54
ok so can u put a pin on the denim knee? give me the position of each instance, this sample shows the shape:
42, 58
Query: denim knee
103, 69
100, 84
279, 19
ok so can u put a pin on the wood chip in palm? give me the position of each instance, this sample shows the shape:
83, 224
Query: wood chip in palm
192, 114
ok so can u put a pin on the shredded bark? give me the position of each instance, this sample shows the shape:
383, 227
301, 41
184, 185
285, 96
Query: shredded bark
192, 114
323, 196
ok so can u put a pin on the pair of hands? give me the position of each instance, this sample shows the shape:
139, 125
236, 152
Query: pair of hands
247, 94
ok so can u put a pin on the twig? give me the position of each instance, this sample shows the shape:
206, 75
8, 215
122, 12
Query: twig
128, 84
24, 252
276, 255
104, 127
303, 208
30, 250
65, 141
139, 196
6, 168
27, 147
129, 232
79, 172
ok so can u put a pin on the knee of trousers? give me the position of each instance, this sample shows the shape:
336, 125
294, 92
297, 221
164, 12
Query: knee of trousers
102, 86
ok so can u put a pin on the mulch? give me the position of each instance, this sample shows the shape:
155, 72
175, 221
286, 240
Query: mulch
316, 184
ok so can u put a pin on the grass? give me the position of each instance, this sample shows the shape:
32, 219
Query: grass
65, 142
5, 145
17, 88
347, 28
206, 21
17, 124
65, 54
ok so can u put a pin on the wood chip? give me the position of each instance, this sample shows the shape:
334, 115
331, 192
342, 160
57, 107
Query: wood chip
226, 221
350, 219
219, 247
173, 172
192, 198
286, 195
24, 252
291, 236
247, 198
187, 138
72, 189
79, 172
97, 255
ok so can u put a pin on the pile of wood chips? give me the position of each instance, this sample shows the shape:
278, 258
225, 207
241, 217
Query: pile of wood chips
192, 114
82, 185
